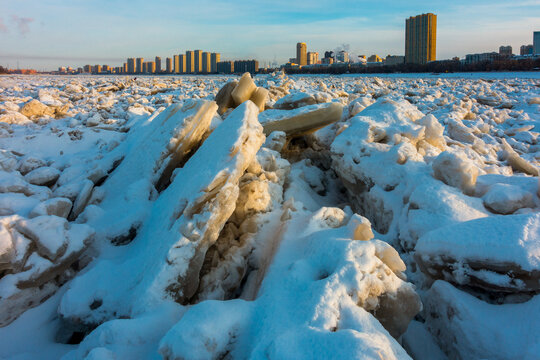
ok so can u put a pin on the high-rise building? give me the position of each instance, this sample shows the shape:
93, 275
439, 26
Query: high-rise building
190, 62
144, 68
301, 53
505, 50
342, 56
158, 64
125, 68
214, 59
536, 43
312, 58
151, 67
182, 63
96, 69
198, 61
206, 63
169, 65
225, 67
176, 64
421, 39
87, 68
139, 68
526, 50
131, 66
242, 66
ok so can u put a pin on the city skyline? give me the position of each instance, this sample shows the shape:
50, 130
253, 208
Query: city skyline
30, 35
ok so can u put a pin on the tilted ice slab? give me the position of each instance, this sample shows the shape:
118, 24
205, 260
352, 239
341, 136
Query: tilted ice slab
315, 301
498, 253
469, 328
163, 261
152, 152
300, 121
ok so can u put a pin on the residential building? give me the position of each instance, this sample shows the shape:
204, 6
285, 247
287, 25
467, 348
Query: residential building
342, 56
421, 38
169, 65
536, 43
190, 62
476, 58
312, 58
139, 67
374, 58
182, 64
301, 53
394, 60
505, 50
198, 61
87, 68
225, 67
214, 59
158, 65
242, 66
526, 50
176, 62
206, 63
131, 66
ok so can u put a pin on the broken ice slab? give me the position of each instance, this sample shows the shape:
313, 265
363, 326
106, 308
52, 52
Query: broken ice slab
497, 253
468, 328
163, 262
152, 153
301, 121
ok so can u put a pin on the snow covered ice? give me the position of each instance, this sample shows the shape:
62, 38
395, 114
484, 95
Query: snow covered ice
270, 217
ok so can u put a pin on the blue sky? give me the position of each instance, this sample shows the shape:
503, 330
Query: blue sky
45, 34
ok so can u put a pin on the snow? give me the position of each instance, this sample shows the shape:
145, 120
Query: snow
148, 218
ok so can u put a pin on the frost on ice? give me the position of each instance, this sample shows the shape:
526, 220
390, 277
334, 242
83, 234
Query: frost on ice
269, 217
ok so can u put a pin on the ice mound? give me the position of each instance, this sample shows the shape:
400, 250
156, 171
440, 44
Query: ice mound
235, 93
336, 281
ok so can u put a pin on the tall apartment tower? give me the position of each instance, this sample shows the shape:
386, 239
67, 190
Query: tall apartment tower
139, 68
301, 53
169, 65
536, 43
176, 62
421, 38
131, 66
206, 62
505, 50
214, 59
182, 63
190, 62
198, 61
158, 65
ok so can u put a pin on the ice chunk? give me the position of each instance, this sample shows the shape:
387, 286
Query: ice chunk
56, 206
259, 97
244, 90
506, 199
43, 176
517, 162
455, 170
276, 140
224, 98
434, 131
34, 108
14, 117
302, 121
360, 228
468, 328
294, 101
48, 233
497, 253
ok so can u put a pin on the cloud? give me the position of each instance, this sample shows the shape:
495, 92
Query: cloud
22, 23
3, 27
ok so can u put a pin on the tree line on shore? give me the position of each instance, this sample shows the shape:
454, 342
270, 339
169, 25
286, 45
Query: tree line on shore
443, 66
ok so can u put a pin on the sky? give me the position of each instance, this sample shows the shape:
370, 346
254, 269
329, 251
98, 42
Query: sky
46, 34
